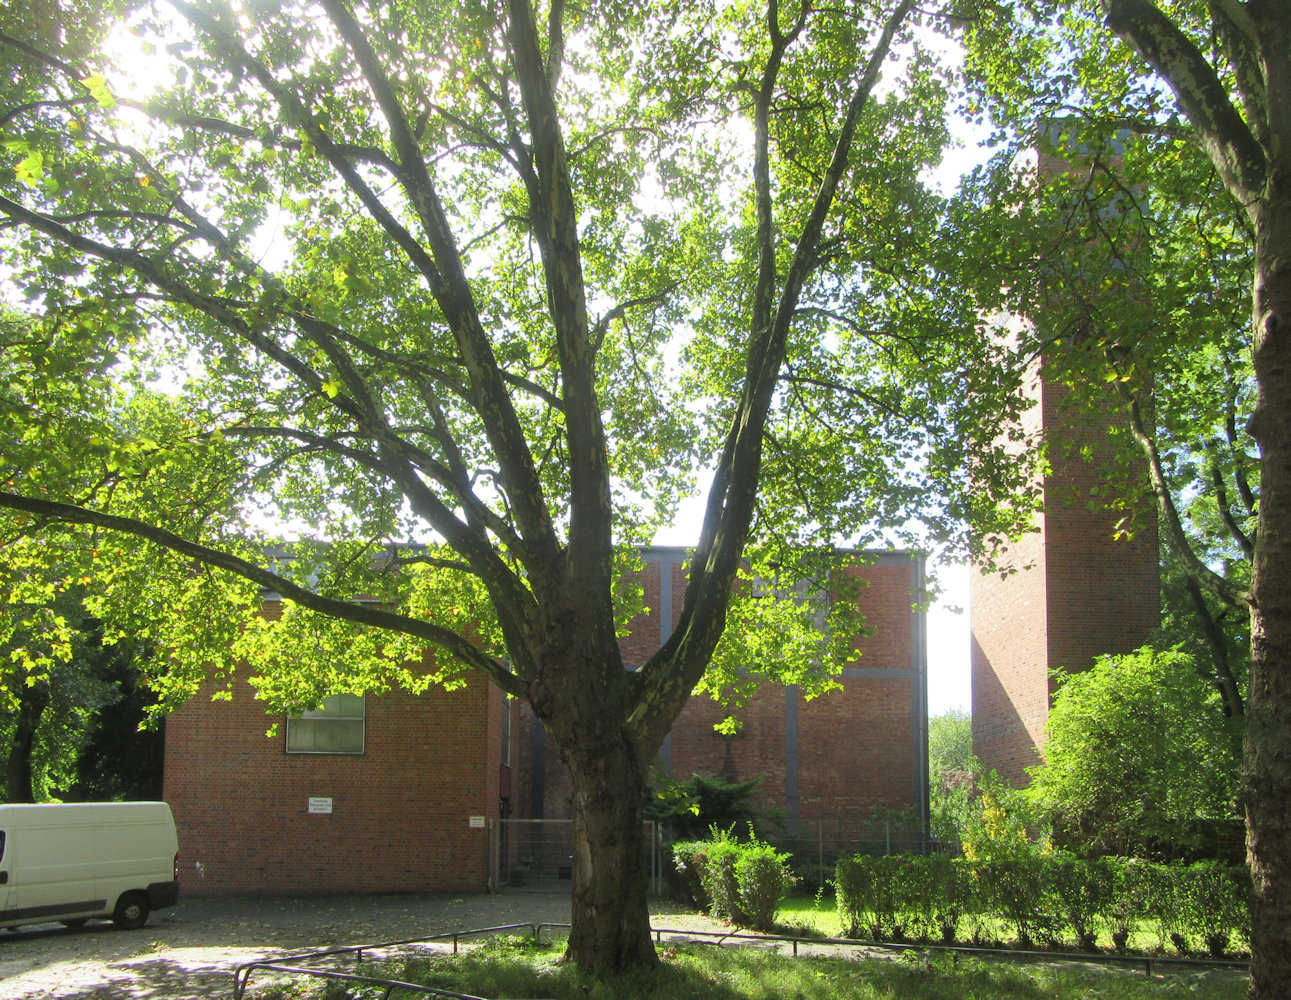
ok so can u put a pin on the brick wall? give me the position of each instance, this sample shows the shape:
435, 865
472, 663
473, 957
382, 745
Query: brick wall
400, 811
836, 757
1070, 591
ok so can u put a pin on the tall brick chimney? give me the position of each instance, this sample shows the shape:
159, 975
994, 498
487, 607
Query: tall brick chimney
1072, 590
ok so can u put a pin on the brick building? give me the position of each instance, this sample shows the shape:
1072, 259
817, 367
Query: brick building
384, 804
398, 792
836, 758
1075, 588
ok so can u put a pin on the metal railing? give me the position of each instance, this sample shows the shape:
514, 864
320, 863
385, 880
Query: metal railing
349, 977
958, 950
242, 975
537, 855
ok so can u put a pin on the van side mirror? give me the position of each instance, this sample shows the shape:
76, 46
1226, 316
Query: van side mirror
4, 878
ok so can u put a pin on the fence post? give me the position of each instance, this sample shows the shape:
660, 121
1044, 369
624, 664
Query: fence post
491, 879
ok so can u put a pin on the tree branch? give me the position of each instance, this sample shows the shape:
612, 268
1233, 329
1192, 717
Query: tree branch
1172, 525
556, 219
346, 610
1223, 134
452, 291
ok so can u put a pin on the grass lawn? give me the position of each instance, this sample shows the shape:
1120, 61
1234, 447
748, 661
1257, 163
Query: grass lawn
516, 967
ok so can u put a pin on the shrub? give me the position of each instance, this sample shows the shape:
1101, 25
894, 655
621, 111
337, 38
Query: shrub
870, 895
1042, 895
687, 886
916, 883
762, 875
1166, 902
1131, 887
1013, 886
1138, 758
954, 894
1214, 903
741, 882
856, 890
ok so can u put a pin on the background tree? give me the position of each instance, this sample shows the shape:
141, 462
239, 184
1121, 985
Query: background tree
952, 771
72, 727
1136, 763
468, 293
693, 806
1213, 77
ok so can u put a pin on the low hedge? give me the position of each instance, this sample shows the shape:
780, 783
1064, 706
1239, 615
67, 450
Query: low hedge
1044, 898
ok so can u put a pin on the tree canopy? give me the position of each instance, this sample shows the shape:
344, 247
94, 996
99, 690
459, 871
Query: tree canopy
464, 296
1103, 223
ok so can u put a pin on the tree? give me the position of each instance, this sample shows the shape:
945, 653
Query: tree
1136, 762
950, 742
467, 294
1214, 77
952, 771
72, 727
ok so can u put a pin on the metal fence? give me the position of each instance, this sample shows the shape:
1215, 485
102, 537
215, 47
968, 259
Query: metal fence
817, 846
537, 855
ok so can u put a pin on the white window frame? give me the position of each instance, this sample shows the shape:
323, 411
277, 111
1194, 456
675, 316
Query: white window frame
334, 718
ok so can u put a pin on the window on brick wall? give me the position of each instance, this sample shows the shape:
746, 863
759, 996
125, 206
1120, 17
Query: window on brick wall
336, 726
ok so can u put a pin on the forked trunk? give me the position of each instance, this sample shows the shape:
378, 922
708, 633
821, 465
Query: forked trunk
610, 918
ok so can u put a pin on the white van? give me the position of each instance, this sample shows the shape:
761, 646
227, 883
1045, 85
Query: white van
77, 861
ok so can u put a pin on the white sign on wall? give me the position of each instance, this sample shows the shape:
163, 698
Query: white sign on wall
317, 805
477, 822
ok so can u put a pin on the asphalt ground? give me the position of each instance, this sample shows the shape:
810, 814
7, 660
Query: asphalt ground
190, 951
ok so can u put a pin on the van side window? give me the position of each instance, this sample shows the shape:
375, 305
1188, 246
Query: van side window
1, 847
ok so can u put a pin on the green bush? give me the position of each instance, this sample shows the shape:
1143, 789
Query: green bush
955, 894
714, 864
1166, 903
1214, 898
863, 895
1013, 888
687, 886
762, 875
1131, 887
739, 881
915, 881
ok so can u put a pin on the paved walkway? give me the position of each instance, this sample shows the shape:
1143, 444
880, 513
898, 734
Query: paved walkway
190, 952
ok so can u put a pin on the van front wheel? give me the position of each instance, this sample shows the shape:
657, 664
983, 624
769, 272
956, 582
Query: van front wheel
131, 912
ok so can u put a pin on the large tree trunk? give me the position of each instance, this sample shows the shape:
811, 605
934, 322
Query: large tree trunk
1266, 784
610, 916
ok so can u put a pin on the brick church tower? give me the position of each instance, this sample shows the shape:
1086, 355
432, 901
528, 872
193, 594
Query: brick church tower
1077, 590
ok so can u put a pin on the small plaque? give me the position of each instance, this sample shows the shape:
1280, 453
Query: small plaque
317, 805
477, 822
